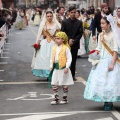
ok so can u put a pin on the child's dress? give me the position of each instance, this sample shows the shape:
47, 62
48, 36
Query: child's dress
104, 85
58, 76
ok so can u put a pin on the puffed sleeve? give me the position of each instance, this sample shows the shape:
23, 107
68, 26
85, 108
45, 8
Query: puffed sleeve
115, 45
69, 58
99, 46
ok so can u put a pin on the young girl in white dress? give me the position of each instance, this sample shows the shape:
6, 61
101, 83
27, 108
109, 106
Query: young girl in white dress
60, 62
103, 83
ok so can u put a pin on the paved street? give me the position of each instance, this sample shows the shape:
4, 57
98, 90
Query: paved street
26, 97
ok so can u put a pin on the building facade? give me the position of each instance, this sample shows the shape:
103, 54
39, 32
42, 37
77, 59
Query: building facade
7, 3
42, 3
97, 3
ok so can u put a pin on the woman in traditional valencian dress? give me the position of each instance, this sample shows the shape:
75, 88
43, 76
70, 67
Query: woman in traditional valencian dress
86, 25
93, 43
37, 18
103, 83
82, 50
117, 17
20, 23
48, 28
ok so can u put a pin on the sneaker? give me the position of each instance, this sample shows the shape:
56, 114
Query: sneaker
63, 102
54, 102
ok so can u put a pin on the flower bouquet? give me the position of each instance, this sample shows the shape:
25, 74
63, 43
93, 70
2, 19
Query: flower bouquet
37, 47
94, 58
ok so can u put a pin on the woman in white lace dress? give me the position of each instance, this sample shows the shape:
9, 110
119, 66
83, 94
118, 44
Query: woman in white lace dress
48, 28
103, 83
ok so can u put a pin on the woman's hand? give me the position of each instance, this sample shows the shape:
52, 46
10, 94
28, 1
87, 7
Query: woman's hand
94, 37
111, 67
71, 42
38, 42
66, 70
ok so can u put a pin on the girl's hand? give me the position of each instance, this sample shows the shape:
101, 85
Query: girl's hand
98, 52
66, 70
111, 67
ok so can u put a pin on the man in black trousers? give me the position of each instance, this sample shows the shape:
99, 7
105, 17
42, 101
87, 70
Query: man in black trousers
74, 30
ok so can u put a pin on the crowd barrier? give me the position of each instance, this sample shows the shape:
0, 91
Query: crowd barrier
3, 39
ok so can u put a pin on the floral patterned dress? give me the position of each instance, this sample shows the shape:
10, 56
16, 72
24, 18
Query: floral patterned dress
104, 85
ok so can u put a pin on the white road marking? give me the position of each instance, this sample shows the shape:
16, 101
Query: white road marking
1, 80
116, 114
44, 113
29, 82
2, 70
3, 63
47, 115
4, 57
31, 95
40, 117
51, 96
105, 119
80, 79
22, 83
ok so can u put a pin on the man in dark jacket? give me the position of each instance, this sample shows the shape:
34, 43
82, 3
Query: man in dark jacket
73, 28
97, 20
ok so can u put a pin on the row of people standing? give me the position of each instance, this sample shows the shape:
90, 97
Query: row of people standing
72, 28
108, 69
73, 34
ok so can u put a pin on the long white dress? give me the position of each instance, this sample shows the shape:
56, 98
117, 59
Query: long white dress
59, 77
41, 63
104, 85
20, 23
37, 19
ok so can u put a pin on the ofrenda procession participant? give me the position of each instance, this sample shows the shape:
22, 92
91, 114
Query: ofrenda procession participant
74, 30
60, 62
20, 22
104, 81
48, 28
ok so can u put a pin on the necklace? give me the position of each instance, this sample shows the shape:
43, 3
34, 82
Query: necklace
108, 31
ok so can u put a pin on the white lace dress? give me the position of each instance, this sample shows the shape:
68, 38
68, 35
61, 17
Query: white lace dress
41, 63
104, 85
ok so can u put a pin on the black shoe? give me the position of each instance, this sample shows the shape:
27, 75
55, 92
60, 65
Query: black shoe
74, 79
79, 56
